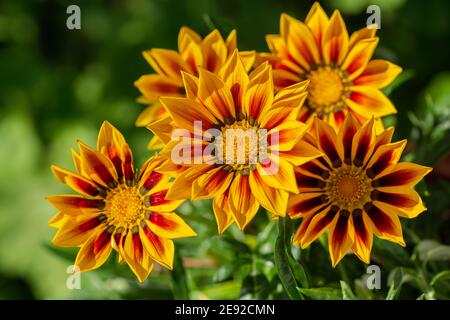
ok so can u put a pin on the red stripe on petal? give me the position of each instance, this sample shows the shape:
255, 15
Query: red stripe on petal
328, 147
396, 178
88, 225
381, 220
161, 221
396, 199
138, 248
308, 204
158, 198
101, 242
154, 239
152, 180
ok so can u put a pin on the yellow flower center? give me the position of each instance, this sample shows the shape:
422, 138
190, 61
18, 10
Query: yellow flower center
124, 206
349, 188
326, 89
240, 144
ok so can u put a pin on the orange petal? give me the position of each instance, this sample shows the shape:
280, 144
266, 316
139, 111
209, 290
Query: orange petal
386, 225
361, 34
362, 245
363, 143
215, 95
258, 96
136, 255
358, 57
304, 204
211, 184
153, 86
167, 63
404, 174
378, 74
367, 101
329, 143
241, 202
222, 212
159, 248
169, 225
319, 223
317, 21
340, 237
75, 205
335, 40
384, 158
94, 252
97, 166
214, 51
76, 182
272, 199
76, 231
346, 134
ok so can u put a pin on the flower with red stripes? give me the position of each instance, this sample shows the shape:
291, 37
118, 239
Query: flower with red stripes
117, 208
358, 188
342, 76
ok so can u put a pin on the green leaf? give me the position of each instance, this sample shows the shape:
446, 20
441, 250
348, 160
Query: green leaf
291, 272
323, 293
180, 286
443, 275
347, 293
398, 277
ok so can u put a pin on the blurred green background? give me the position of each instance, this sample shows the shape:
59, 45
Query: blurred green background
58, 85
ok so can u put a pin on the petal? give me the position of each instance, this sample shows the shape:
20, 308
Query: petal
185, 36
150, 114
95, 251
278, 173
367, 101
329, 143
159, 248
362, 34
301, 44
384, 158
248, 59
385, 224
57, 221
319, 223
358, 57
307, 182
236, 78
277, 116
190, 85
157, 201
406, 203
215, 95
162, 128
384, 137
112, 144
153, 86
167, 63
303, 204
75, 205
186, 112
335, 40
301, 153
214, 51
182, 186
285, 136
76, 182
404, 174
231, 41
169, 225
272, 199
222, 212
363, 143
317, 22
137, 258
241, 202
97, 166
284, 78
76, 231
258, 96
362, 245
340, 237
346, 134
211, 184
378, 74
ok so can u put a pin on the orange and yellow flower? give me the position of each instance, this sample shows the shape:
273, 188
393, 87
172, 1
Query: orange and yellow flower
117, 208
233, 99
356, 189
193, 53
342, 76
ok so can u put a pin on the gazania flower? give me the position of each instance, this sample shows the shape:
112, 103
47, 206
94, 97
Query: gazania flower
236, 102
342, 76
356, 189
193, 53
117, 208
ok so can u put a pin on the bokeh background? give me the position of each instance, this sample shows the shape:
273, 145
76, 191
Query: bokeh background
58, 85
